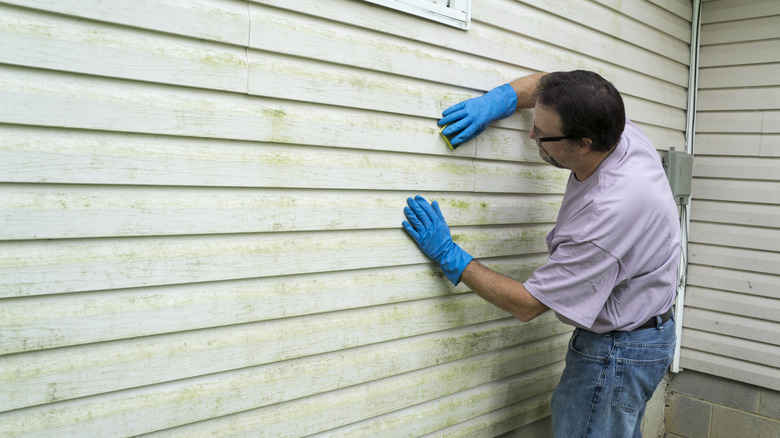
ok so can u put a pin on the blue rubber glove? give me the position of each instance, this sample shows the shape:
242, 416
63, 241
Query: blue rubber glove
469, 118
427, 227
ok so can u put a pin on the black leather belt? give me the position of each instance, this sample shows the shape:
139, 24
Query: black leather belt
652, 321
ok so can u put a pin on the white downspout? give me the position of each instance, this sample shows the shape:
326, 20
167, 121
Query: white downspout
685, 209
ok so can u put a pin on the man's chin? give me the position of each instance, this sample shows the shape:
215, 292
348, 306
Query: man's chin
555, 163
549, 160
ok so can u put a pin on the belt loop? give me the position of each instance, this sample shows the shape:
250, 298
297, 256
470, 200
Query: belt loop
658, 322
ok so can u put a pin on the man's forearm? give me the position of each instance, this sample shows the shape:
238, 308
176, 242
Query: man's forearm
525, 87
502, 291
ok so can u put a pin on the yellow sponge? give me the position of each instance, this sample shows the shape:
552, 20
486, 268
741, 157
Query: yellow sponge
446, 139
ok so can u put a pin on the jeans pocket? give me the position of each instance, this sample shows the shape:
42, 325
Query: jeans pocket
636, 380
589, 346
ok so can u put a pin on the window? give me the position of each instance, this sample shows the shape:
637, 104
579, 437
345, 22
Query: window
455, 13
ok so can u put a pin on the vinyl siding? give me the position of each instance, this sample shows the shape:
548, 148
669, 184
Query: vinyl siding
732, 305
200, 207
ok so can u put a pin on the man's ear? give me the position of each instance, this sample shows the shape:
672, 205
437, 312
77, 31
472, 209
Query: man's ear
584, 145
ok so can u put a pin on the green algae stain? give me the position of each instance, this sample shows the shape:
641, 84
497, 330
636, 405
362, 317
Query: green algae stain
279, 128
225, 59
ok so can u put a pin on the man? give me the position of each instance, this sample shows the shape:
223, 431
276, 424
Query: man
613, 252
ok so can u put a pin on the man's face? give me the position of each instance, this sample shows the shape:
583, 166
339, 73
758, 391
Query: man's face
547, 157
547, 124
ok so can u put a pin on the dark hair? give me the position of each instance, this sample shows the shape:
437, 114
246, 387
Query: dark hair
589, 106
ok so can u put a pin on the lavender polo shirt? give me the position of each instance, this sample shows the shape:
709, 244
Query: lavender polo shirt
615, 247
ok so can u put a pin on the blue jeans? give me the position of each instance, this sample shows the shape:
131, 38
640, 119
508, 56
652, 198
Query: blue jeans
608, 380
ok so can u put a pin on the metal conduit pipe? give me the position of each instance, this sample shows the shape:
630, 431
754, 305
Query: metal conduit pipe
685, 220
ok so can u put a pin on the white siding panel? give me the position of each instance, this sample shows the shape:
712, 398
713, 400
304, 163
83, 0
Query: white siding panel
760, 28
756, 215
502, 45
748, 283
472, 404
737, 369
739, 76
672, 52
145, 409
770, 146
735, 348
734, 258
736, 303
720, 11
733, 326
53, 212
744, 123
732, 304
58, 156
759, 192
758, 98
730, 144
682, 10
103, 104
68, 319
52, 375
319, 413
738, 168
200, 207
500, 420
759, 145
671, 17
65, 43
651, 107
466, 404
35, 268
293, 78
753, 52
737, 236
219, 20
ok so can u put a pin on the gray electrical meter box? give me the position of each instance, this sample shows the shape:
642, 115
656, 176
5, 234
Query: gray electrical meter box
679, 172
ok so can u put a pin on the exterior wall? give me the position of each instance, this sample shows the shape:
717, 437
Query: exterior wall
705, 406
732, 314
200, 207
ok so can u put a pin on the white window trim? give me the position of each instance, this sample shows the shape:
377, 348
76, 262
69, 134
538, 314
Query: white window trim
456, 13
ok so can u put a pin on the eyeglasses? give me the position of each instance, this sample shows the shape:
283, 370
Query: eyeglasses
540, 140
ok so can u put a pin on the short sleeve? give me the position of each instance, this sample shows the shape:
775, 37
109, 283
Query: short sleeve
576, 281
